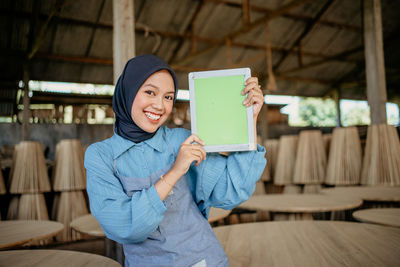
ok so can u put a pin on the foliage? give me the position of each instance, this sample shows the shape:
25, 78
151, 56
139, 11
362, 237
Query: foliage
356, 116
317, 112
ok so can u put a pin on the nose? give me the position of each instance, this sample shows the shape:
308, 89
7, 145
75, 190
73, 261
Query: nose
158, 103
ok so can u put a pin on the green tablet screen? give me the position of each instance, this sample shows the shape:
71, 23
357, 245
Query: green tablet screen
221, 116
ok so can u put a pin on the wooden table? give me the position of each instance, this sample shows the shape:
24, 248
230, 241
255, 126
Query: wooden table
384, 216
217, 214
310, 243
88, 224
14, 233
367, 193
47, 257
298, 206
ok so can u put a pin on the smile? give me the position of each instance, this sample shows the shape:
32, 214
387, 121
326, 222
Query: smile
152, 116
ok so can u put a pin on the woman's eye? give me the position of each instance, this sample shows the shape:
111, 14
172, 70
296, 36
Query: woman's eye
149, 92
168, 97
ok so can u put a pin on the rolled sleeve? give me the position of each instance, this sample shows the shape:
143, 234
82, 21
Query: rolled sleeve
226, 182
124, 219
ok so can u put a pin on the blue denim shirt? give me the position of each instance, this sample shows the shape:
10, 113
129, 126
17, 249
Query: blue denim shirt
120, 183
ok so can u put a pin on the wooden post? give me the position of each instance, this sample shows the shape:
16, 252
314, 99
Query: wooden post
123, 34
263, 123
336, 97
26, 102
375, 65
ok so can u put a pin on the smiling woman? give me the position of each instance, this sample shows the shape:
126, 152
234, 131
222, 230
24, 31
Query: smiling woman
151, 187
153, 103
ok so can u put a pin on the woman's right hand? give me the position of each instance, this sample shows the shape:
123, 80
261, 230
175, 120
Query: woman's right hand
189, 152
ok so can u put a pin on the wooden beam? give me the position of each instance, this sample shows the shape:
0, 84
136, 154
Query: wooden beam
26, 102
339, 56
251, 26
123, 35
292, 16
305, 32
246, 12
374, 59
42, 31
166, 34
69, 99
75, 59
94, 27
190, 27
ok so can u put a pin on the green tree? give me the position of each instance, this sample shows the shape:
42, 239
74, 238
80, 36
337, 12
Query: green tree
317, 111
356, 116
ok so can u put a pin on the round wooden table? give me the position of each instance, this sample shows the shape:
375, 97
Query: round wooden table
217, 214
383, 216
367, 193
14, 233
310, 243
300, 206
50, 257
87, 224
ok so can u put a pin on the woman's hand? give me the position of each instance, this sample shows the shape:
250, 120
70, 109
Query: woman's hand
189, 152
255, 96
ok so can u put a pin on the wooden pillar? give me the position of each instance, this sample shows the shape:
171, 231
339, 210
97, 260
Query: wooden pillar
263, 123
26, 103
336, 96
374, 59
123, 34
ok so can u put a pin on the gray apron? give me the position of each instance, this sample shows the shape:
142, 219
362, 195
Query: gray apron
183, 238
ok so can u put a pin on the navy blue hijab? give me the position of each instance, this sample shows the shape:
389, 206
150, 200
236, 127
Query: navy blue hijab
135, 73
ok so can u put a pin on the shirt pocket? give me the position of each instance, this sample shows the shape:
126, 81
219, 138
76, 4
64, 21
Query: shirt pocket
133, 184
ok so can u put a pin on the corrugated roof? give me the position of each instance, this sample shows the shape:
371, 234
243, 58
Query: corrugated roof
77, 45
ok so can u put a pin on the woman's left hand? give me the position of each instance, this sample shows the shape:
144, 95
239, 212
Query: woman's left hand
255, 96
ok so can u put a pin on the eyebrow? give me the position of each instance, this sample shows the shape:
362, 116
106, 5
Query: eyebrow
156, 87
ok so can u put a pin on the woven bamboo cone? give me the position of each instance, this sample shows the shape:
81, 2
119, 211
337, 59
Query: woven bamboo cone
381, 164
12, 213
69, 172
70, 206
32, 207
344, 164
326, 138
286, 160
29, 171
271, 147
310, 159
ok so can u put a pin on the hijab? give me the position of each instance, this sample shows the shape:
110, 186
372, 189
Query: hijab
135, 73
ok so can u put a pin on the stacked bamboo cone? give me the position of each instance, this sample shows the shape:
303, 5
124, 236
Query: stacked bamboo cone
69, 178
29, 177
271, 147
327, 142
286, 160
381, 164
69, 172
310, 160
344, 164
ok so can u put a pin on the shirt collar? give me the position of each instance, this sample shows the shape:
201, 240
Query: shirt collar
120, 144
157, 141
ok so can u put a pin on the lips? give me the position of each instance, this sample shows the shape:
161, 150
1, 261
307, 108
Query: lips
152, 116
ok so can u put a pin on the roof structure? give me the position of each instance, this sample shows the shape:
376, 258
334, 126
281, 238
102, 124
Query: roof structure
317, 46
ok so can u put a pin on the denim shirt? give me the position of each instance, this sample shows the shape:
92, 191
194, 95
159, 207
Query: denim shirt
120, 183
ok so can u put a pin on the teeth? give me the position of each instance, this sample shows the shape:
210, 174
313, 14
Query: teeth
152, 116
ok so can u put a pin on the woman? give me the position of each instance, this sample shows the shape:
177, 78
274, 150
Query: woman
151, 187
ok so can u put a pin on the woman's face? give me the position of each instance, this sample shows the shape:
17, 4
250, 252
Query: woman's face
153, 102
